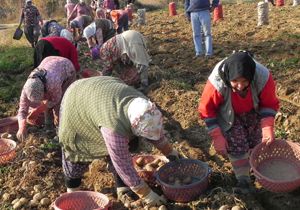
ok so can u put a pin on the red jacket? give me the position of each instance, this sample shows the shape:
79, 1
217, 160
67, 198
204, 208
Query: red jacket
66, 49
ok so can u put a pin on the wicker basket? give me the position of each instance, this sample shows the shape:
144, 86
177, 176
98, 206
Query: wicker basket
147, 176
197, 170
277, 166
82, 200
7, 150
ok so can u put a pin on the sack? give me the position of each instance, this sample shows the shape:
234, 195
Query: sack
18, 34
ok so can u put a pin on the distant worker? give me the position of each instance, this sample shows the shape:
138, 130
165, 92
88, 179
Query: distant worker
99, 32
55, 46
198, 13
69, 6
31, 18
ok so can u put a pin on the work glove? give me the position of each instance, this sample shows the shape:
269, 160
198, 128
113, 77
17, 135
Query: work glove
95, 52
174, 155
218, 140
267, 128
149, 197
124, 197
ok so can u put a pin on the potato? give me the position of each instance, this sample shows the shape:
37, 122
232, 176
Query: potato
15, 201
37, 196
224, 207
23, 201
45, 202
140, 161
236, 208
187, 180
156, 162
162, 207
33, 203
161, 163
177, 182
5, 196
37, 188
148, 167
171, 179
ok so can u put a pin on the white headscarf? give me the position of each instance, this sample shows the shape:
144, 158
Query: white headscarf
90, 30
145, 119
66, 34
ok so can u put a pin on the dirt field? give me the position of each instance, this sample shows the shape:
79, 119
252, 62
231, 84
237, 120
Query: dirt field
177, 82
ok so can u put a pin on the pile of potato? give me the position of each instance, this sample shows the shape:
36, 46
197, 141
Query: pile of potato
179, 181
144, 164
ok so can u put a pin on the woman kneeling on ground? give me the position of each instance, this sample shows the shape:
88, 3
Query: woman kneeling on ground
238, 105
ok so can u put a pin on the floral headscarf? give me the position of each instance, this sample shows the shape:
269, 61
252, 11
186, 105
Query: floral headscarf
145, 118
34, 89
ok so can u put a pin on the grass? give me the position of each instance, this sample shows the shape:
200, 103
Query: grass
15, 61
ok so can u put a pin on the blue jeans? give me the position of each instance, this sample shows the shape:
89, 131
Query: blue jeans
201, 23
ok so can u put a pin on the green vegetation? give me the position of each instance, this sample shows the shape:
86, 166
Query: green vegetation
4, 170
13, 65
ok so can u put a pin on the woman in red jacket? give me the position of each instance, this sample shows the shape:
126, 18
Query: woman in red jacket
238, 105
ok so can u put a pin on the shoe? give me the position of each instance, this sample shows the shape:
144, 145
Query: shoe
196, 57
207, 57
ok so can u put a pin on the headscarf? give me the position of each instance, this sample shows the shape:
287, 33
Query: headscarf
81, 1
74, 24
132, 44
27, 1
90, 30
239, 64
145, 118
66, 34
35, 86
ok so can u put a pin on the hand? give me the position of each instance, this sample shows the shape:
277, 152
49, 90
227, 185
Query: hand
95, 51
147, 195
153, 199
219, 142
21, 134
174, 155
267, 128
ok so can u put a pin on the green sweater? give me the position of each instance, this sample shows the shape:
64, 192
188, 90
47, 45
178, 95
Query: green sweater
88, 105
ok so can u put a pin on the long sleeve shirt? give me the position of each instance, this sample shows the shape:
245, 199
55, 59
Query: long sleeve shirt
66, 49
118, 149
59, 70
211, 100
198, 5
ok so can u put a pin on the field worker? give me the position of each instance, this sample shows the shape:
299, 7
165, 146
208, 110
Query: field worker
43, 91
55, 46
120, 19
103, 123
109, 4
69, 6
80, 9
198, 13
31, 18
99, 32
51, 28
126, 53
79, 24
238, 105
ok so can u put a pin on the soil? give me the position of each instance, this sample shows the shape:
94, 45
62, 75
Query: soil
176, 85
